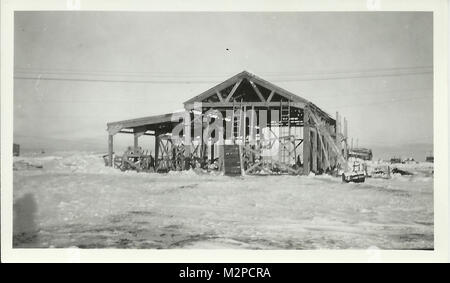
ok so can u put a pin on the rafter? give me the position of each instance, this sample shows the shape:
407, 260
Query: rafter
270, 96
255, 104
219, 95
233, 90
257, 91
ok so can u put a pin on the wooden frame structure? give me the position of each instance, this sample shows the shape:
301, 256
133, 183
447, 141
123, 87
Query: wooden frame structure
278, 131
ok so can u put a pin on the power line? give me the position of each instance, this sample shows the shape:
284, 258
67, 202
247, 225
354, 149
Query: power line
328, 96
366, 94
383, 102
61, 70
113, 81
156, 81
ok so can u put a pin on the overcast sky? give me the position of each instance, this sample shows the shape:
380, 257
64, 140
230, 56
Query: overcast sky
76, 71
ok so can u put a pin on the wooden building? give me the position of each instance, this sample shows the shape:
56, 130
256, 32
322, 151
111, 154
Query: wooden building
275, 130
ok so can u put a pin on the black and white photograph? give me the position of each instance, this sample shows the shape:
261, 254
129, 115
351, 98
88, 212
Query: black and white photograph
243, 130
223, 130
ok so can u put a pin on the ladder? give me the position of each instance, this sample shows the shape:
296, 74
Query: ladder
237, 123
285, 132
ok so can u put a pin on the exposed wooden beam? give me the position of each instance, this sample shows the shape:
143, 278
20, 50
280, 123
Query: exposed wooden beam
219, 95
211, 91
279, 90
325, 152
233, 90
110, 150
314, 152
133, 123
140, 130
270, 96
157, 140
139, 134
255, 104
136, 141
306, 143
144, 134
255, 87
345, 139
114, 129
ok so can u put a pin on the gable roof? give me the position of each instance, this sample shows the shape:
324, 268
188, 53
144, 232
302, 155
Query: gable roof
154, 123
253, 79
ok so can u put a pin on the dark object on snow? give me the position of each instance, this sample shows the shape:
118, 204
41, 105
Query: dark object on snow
429, 159
16, 149
396, 160
23, 165
401, 172
353, 177
232, 160
362, 153
134, 158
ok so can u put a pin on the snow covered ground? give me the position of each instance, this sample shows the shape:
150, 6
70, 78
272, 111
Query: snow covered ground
75, 201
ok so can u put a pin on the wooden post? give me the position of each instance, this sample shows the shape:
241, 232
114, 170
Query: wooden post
244, 124
306, 142
221, 157
187, 137
331, 156
314, 152
338, 137
345, 139
320, 152
241, 161
157, 140
136, 141
110, 150
338, 130
252, 126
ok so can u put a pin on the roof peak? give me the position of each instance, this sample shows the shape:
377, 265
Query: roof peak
244, 74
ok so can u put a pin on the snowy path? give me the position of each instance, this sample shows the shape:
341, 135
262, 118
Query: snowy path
79, 202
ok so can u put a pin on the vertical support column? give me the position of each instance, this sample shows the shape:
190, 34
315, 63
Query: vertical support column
319, 152
220, 147
331, 155
338, 134
204, 145
198, 129
327, 148
338, 130
244, 124
110, 149
136, 140
157, 141
137, 134
222, 157
187, 142
345, 139
252, 125
314, 152
306, 142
